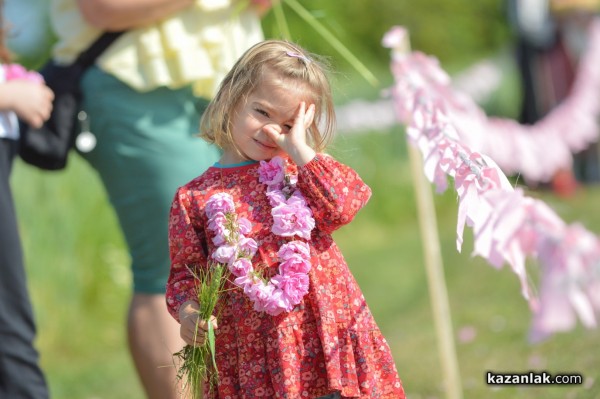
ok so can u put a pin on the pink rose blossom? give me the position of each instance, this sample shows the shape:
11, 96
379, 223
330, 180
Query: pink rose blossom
297, 199
273, 302
294, 264
260, 292
294, 248
272, 172
219, 239
247, 247
244, 226
292, 219
225, 254
247, 283
278, 302
217, 221
276, 197
241, 267
219, 202
294, 285
218, 225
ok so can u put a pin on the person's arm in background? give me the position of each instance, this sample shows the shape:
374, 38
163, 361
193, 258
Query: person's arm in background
116, 15
31, 101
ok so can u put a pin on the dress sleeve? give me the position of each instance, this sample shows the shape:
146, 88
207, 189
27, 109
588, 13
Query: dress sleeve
334, 192
186, 251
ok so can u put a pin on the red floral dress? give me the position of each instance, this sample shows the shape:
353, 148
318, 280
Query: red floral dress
327, 343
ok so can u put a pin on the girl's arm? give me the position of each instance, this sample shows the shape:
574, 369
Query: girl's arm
185, 246
334, 192
31, 101
116, 15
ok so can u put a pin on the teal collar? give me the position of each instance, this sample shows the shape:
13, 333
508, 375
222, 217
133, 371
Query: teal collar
234, 165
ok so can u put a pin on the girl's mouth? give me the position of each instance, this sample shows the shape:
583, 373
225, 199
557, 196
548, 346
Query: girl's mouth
265, 146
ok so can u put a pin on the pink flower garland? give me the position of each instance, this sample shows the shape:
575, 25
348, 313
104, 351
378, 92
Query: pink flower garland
291, 217
508, 226
535, 151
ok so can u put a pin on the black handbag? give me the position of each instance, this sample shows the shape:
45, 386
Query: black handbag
48, 147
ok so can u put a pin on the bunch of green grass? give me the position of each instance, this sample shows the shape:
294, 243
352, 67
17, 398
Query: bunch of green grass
198, 363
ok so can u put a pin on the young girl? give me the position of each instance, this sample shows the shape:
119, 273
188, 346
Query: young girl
23, 95
293, 322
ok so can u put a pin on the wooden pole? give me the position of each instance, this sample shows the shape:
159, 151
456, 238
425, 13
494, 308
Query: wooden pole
438, 293
435, 277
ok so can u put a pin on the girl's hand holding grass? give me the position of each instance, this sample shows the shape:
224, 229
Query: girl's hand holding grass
198, 324
192, 330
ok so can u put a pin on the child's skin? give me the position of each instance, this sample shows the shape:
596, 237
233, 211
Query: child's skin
31, 101
273, 120
276, 117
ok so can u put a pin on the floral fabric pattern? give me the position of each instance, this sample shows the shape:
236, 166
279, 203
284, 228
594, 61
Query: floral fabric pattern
329, 341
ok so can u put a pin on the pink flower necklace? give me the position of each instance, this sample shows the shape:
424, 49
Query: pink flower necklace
291, 217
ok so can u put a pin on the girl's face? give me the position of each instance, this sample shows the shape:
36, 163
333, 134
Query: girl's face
274, 103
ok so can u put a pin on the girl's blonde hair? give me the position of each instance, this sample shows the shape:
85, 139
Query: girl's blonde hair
285, 60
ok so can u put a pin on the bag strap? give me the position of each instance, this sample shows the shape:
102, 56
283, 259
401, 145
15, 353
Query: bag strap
88, 57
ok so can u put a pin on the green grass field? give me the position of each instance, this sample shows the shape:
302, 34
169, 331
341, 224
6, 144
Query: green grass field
79, 280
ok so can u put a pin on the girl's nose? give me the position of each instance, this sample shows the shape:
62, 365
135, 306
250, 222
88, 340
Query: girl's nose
273, 127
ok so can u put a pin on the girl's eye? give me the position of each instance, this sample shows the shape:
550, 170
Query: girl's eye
262, 112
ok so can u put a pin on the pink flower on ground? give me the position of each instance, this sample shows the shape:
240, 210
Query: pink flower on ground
219, 202
272, 172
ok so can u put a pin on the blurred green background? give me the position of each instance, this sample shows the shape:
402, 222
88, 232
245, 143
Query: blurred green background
78, 265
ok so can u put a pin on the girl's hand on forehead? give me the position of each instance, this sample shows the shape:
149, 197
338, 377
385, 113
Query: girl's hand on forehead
294, 142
